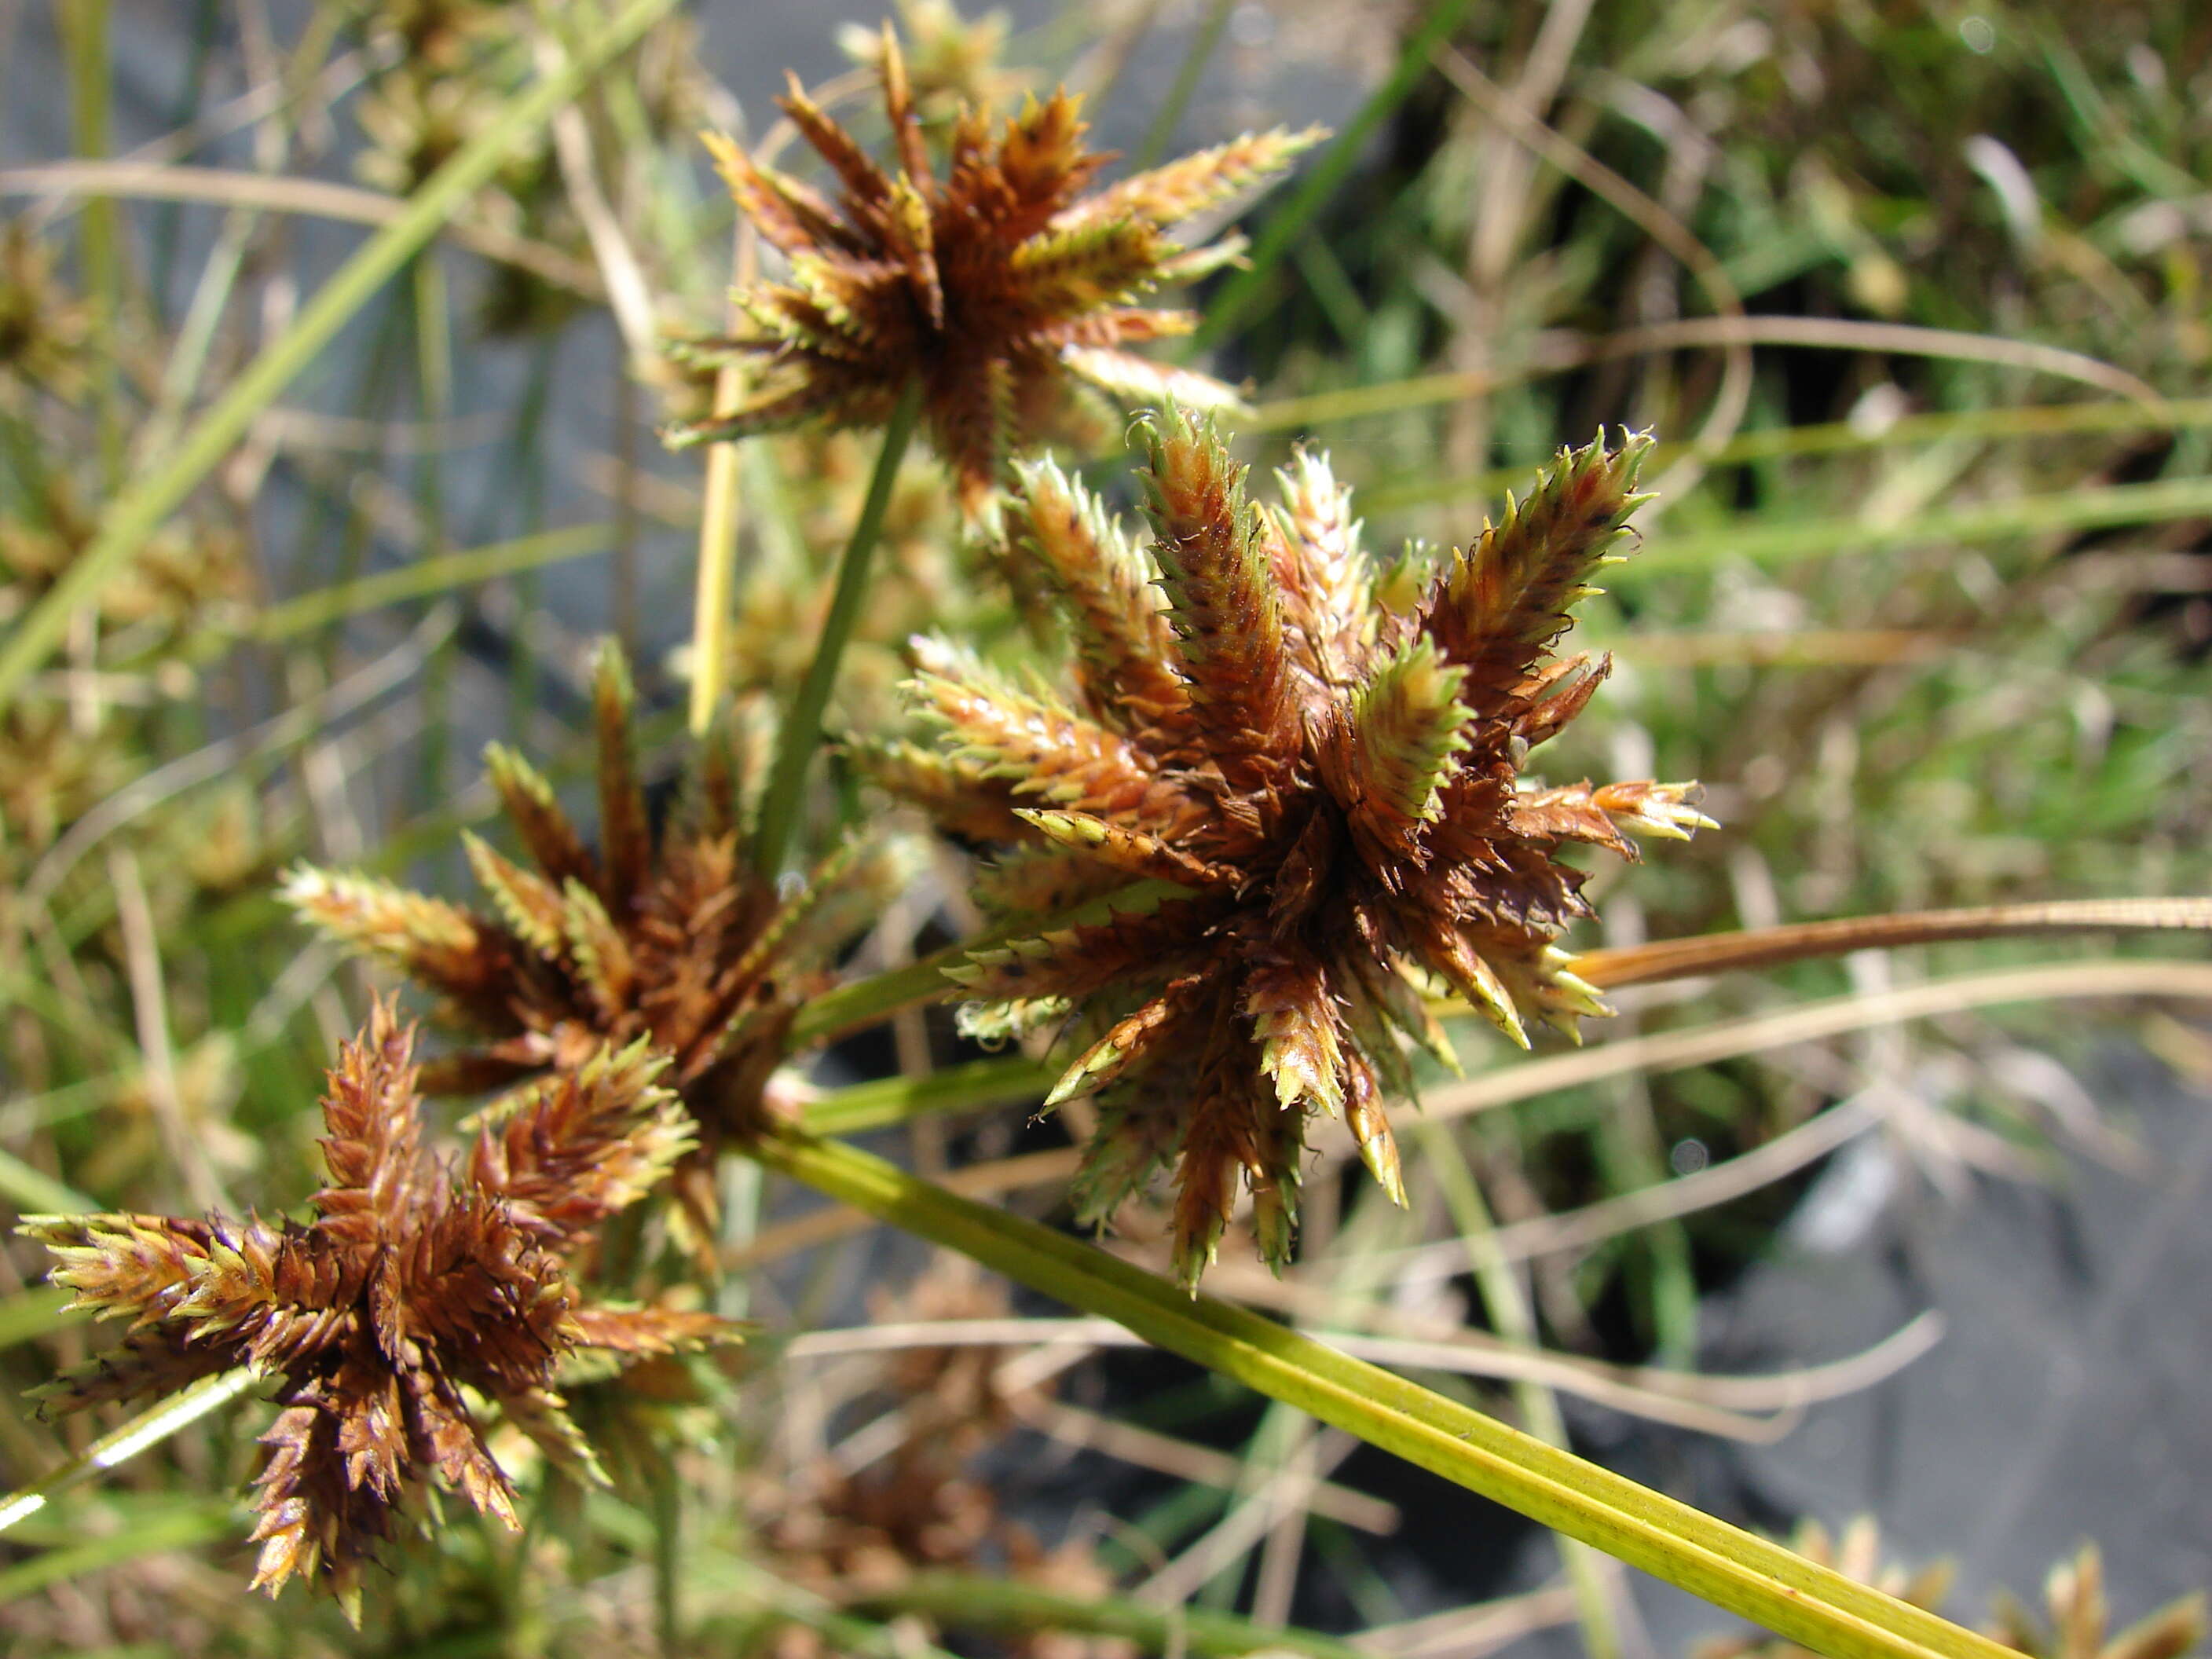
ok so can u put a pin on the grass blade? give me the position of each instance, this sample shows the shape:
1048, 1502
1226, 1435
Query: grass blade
966, 1087
149, 1428
1745, 1575
139, 511
1288, 221
966, 1602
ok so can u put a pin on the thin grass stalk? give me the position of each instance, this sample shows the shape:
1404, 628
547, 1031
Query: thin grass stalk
36, 1311
718, 524
1557, 355
1815, 1022
425, 579
668, 1559
31, 1189
1772, 947
1169, 116
1007, 1606
2061, 512
1329, 170
84, 30
2024, 421
184, 1530
139, 510
1745, 1575
528, 464
321, 199
118, 1446
801, 735
968, 1086
433, 387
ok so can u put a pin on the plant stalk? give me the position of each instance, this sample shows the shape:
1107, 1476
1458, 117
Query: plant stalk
975, 1603
865, 1001
1745, 1575
717, 524
1801, 941
802, 725
1333, 165
118, 1446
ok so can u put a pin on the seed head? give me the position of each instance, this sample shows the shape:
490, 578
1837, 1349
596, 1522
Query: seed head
1328, 761
671, 937
415, 1281
1005, 289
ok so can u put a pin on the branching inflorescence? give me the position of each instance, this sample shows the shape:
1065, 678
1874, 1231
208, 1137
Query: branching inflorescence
1006, 291
415, 1281
673, 938
1326, 754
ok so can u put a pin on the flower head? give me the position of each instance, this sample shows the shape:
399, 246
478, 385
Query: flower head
415, 1281
45, 329
673, 937
1325, 755
1000, 286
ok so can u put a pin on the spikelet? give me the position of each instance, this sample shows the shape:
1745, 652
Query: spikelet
672, 941
1003, 288
1326, 761
414, 1281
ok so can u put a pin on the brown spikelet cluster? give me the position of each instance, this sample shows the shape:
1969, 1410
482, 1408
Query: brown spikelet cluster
55, 764
671, 939
1005, 291
44, 328
415, 1282
1324, 758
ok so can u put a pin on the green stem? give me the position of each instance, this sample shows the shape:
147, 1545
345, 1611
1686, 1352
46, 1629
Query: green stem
34, 1312
2066, 511
434, 388
667, 1558
802, 726
185, 1529
1510, 1315
149, 1428
963, 1088
139, 510
962, 1602
1745, 1575
84, 31
424, 578
32, 1190
2023, 421
1333, 165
